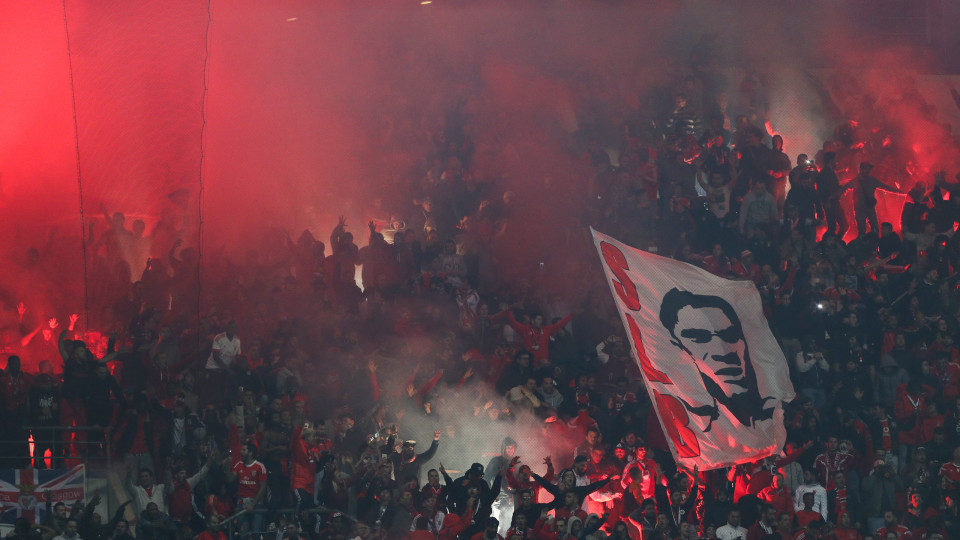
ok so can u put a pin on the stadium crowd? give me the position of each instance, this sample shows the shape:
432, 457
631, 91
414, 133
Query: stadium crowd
325, 381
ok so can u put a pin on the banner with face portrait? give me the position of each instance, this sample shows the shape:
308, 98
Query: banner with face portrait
714, 372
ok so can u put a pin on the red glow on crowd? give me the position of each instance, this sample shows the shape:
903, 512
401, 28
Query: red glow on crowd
394, 203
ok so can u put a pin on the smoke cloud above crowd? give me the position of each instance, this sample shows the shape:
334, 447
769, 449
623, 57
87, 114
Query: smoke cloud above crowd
281, 117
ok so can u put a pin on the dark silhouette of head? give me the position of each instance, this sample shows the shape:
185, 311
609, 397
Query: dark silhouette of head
708, 329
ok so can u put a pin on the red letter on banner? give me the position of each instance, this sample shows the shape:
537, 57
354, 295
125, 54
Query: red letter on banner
677, 424
617, 263
652, 374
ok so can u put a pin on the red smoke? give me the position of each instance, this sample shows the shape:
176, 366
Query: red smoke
314, 110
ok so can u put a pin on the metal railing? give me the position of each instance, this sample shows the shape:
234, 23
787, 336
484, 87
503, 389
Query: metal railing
230, 521
66, 443
268, 534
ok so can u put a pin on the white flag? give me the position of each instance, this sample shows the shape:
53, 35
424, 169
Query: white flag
714, 372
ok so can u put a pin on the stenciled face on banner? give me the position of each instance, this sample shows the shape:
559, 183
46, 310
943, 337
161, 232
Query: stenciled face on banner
708, 331
715, 373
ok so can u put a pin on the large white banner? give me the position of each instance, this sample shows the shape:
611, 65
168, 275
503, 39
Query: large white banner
714, 372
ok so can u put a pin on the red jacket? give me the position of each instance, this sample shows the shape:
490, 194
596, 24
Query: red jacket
827, 466
910, 410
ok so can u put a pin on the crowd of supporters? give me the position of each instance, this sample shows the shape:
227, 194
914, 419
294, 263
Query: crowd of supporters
324, 381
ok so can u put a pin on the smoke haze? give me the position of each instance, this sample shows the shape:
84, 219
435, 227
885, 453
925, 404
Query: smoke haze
314, 110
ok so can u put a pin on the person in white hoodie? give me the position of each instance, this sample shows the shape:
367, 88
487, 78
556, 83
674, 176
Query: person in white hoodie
810, 485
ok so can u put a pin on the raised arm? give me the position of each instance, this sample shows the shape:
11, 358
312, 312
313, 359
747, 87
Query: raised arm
25, 340
494, 489
892, 189
557, 326
551, 488
193, 480
517, 325
549, 476
62, 346
511, 476
428, 386
117, 516
583, 491
433, 448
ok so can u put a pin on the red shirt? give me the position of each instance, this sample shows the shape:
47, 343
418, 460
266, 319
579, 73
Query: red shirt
780, 499
181, 502
251, 477
803, 517
521, 533
207, 535
952, 474
564, 513
752, 273
537, 340
216, 507
303, 462
929, 424
899, 529
718, 267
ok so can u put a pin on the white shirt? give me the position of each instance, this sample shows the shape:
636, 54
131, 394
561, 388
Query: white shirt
228, 349
819, 498
156, 495
730, 533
